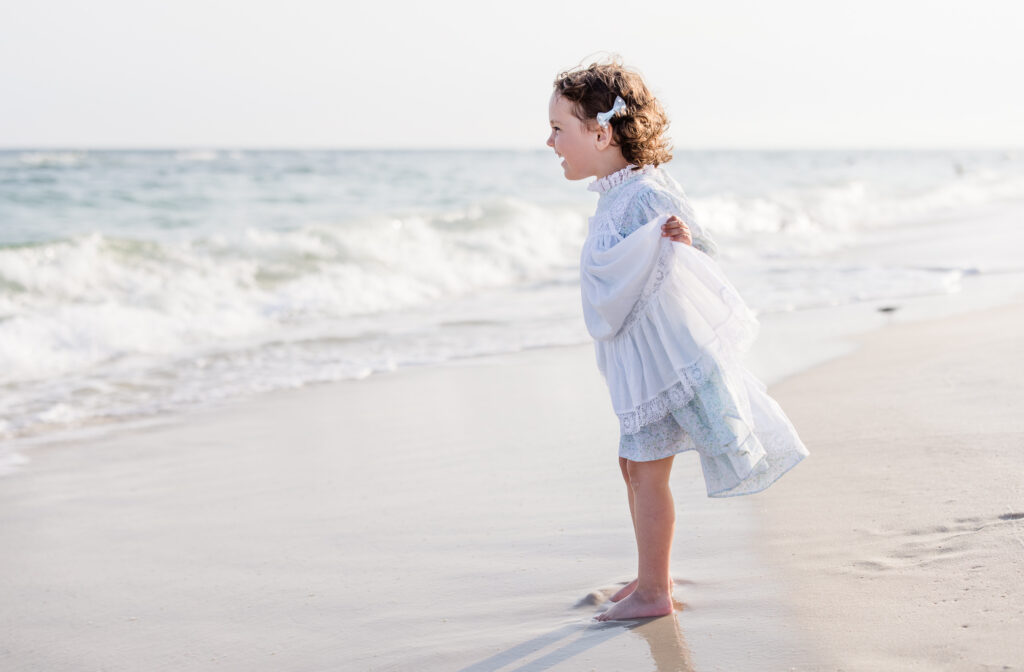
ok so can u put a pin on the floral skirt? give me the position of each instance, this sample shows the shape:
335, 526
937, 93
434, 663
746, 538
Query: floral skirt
744, 439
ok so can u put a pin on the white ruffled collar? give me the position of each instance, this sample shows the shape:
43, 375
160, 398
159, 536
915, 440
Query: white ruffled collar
619, 177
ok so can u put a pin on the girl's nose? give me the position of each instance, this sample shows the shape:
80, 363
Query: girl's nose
551, 141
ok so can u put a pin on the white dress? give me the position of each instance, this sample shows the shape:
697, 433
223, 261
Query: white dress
669, 332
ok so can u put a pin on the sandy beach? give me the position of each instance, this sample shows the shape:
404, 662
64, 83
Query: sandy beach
470, 516
904, 536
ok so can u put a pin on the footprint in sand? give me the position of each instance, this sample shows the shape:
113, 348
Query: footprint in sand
923, 547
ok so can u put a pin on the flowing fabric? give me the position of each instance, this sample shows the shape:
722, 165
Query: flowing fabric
669, 333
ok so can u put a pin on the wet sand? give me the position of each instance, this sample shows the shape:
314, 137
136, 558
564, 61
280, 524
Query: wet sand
461, 517
471, 517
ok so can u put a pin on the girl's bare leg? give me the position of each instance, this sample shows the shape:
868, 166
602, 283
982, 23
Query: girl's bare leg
623, 466
631, 586
654, 517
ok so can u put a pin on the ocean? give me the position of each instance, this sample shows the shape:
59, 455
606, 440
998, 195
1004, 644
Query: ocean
138, 283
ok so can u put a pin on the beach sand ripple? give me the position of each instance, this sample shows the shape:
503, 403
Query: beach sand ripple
904, 538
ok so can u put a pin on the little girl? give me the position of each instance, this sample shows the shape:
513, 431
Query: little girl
669, 328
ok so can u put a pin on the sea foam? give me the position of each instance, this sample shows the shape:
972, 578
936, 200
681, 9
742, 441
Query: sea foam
133, 283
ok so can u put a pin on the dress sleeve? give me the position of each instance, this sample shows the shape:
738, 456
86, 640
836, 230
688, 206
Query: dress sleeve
651, 203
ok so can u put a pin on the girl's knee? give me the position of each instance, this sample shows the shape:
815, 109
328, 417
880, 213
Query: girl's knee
648, 474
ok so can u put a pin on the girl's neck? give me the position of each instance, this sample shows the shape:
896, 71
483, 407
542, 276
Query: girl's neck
612, 164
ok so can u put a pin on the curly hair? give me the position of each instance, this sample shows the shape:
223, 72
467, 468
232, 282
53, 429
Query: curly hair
639, 129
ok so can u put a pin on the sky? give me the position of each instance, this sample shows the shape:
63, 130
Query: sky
785, 74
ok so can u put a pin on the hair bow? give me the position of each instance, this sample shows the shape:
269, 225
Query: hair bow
603, 117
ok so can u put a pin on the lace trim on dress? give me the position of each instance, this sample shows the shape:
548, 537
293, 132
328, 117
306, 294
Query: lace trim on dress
608, 182
738, 333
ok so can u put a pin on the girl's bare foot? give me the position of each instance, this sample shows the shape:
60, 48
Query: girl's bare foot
629, 588
638, 605
624, 591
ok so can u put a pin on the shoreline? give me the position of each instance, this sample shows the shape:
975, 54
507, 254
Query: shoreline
255, 534
306, 528
789, 344
790, 341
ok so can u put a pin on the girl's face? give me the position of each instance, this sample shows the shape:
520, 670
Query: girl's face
572, 140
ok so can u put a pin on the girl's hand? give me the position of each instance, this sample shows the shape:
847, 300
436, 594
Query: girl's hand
677, 230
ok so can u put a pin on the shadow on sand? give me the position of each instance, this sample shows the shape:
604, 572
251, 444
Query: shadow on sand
663, 636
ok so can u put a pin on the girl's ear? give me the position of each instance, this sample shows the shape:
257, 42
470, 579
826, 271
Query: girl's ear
602, 136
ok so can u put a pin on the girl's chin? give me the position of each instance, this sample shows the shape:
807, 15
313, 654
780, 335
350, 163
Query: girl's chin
569, 173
